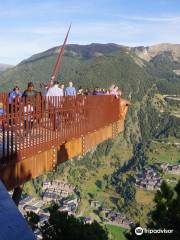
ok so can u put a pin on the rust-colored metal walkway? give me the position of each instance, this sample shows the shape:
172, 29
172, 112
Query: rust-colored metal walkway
37, 134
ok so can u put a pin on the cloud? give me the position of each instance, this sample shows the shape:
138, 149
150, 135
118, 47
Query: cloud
170, 19
34, 26
44, 30
24, 42
42, 8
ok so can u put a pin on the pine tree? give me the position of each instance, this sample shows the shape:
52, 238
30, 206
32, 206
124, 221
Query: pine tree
166, 215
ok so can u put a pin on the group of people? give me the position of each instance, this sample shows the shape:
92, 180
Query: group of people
59, 90
16, 93
113, 90
55, 90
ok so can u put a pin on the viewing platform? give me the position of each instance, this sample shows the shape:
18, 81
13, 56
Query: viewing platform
37, 134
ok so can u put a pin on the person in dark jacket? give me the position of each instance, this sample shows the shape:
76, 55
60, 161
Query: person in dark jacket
30, 92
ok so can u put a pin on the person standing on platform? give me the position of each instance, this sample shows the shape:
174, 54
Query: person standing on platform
54, 97
55, 90
13, 101
70, 91
116, 92
80, 91
13, 94
62, 88
30, 92
30, 105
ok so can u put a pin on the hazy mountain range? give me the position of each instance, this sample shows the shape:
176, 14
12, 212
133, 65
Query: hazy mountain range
4, 67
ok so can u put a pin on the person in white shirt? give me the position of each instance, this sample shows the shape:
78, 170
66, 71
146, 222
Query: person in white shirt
62, 88
54, 96
55, 90
54, 93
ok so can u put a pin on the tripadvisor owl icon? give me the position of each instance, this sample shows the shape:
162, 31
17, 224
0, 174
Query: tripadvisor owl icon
138, 231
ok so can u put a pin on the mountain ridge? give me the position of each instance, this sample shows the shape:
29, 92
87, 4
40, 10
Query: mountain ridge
89, 50
89, 69
146, 53
102, 65
97, 49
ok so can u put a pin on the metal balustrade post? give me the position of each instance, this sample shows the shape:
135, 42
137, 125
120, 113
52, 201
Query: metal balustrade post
83, 145
54, 159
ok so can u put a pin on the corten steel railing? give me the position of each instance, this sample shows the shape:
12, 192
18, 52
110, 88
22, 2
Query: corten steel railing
34, 124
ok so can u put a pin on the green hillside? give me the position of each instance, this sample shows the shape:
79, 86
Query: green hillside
115, 67
163, 67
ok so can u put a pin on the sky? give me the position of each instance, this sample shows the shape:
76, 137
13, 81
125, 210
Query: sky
32, 26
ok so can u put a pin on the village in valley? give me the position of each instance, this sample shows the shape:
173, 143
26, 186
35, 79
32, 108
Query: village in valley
150, 179
66, 196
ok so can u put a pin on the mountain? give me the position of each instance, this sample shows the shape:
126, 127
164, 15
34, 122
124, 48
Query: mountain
164, 64
4, 67
97, 49
89, 66
133, 69
84, 51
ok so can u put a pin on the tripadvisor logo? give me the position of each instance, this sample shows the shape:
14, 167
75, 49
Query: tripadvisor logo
139, 231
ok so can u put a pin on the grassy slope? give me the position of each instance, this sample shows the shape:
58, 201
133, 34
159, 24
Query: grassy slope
144, 197
162, 152
116, 233
145, 202
88, 184
105, 197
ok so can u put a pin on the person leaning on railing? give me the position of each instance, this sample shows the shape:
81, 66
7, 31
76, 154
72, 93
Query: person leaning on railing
30, 92
2, 111
80, 91
13, 94
13, 102
115, 91
87, 92
97, 92
32, 99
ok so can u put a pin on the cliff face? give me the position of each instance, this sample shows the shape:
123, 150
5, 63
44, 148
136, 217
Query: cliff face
148, 53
